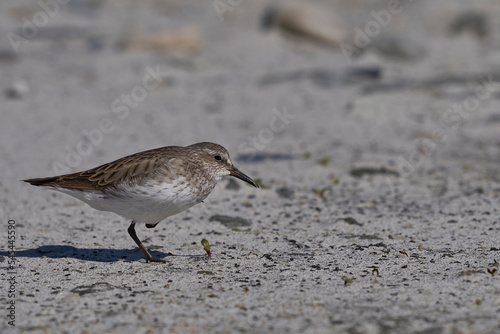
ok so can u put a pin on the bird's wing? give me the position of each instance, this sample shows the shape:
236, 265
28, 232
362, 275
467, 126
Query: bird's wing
130, 170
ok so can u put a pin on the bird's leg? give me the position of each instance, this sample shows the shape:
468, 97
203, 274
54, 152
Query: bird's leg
149, 258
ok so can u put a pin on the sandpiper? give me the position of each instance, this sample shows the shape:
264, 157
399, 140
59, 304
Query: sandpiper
149, 186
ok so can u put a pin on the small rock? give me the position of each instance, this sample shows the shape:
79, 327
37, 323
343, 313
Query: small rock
18, 90
351, 221
359, 172
232, 185
184, 41
94, 288
231, 222
285, 192
263, 156
7, 55
470, 22
399, 48
205, 272
305, 22
324, 77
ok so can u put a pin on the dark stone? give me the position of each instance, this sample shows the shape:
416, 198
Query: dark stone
231, 222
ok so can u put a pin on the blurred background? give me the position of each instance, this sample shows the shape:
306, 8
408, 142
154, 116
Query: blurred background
362, 83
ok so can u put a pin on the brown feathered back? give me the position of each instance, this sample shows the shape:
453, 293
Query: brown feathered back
133, 168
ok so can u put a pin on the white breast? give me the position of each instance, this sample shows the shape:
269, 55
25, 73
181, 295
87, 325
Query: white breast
148, 203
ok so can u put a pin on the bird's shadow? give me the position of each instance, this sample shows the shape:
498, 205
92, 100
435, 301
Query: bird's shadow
89, 254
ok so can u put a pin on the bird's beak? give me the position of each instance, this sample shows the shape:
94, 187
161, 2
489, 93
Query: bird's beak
236, 173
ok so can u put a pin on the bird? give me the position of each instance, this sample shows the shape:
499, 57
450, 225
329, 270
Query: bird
149, 186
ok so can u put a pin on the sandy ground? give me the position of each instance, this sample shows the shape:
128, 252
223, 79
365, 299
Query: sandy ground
380, 211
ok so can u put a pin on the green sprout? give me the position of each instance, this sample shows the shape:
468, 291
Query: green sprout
324, 161
261, 184
235, 229
320, 192
334, 180
347, 280
206, 247
494, 270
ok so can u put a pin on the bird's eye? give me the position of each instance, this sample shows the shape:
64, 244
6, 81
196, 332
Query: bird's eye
218, 157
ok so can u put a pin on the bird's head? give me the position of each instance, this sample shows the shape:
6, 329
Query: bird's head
217, 159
